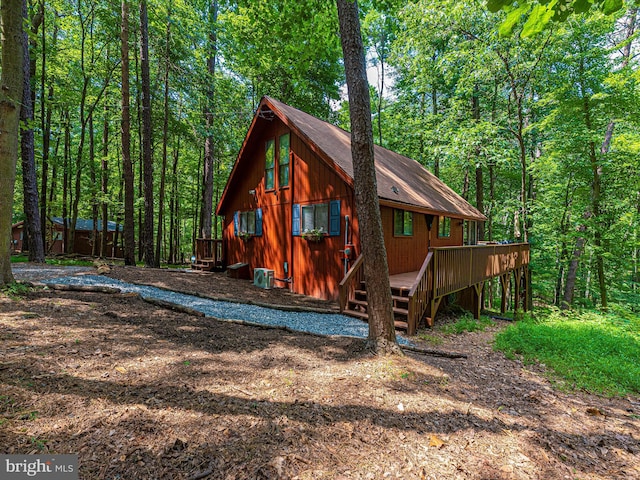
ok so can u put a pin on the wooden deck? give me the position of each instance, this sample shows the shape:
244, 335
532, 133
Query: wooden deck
403, 281
209, 255
445, 270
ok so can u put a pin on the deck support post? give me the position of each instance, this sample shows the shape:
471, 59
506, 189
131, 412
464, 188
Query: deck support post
435, 303
477, 299
504, 280
517, 278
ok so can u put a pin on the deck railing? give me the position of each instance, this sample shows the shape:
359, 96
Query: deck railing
420, 295
351, 282
461, 267
445, 270
209, 249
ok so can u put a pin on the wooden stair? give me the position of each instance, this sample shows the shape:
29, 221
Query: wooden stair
206, 265
358, 307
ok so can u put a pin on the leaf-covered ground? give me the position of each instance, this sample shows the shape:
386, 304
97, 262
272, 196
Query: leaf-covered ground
143, 392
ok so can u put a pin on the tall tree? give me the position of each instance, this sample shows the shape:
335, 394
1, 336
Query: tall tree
382, 336
206, 211
33, 224
147, 154
10, 98
165, 133
125, 135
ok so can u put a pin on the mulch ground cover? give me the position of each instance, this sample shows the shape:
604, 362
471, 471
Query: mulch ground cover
139, 392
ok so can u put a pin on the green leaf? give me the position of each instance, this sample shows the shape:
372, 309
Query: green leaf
581, 6
538, 19
611, 6
512, 18
496, 5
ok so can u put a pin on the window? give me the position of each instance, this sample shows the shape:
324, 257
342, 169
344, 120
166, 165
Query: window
470, 233
248, 223
444, 227
325, 216
283, 161
269, 162
402, 223
315, 217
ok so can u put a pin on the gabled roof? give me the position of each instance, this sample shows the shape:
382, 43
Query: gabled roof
402, 182
83, 225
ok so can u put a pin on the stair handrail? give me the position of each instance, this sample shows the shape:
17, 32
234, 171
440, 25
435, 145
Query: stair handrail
347, 285
419, 296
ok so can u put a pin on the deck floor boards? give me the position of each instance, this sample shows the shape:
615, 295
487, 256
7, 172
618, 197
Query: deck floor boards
403, 280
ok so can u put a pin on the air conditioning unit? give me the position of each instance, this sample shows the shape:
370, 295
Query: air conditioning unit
263, 278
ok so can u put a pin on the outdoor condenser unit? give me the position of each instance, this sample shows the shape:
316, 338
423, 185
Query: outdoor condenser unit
263, 278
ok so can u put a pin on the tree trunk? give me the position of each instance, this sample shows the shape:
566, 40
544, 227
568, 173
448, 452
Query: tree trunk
94, 191
125, 125
11, 85
104, 186
165, 138
65, 181
382, 335
206, 212
434, 111
174, 244
475, 108
33, 224
147, 158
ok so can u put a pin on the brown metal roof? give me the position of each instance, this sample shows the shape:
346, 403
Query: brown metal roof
401, 180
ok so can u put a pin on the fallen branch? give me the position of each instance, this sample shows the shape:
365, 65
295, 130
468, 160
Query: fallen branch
83, 288
435, 353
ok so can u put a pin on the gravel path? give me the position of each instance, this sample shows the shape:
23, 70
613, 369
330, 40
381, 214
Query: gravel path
316, 323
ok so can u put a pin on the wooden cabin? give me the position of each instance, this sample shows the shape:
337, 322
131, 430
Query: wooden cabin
289, 207
83, 241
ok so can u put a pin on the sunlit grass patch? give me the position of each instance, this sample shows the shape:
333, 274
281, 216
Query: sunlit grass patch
591, 351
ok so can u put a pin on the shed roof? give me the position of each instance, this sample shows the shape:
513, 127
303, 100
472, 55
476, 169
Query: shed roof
84, 225
401, 181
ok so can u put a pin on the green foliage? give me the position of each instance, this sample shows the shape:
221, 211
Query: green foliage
68, 262
14, 290
467, 323
588, 351
541, 12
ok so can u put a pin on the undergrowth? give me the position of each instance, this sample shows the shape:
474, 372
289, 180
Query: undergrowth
14, 290
467, 323
589, 350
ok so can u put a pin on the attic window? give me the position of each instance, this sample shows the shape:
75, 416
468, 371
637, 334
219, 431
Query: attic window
269, 164
394, 189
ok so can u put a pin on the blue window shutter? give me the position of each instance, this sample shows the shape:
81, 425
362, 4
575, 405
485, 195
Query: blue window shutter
334, 217
236, 223
295, 220
258, 222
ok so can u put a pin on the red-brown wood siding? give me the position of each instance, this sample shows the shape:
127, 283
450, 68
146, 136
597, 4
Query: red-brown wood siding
318, 268
315, 268
405, 253
454, 239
